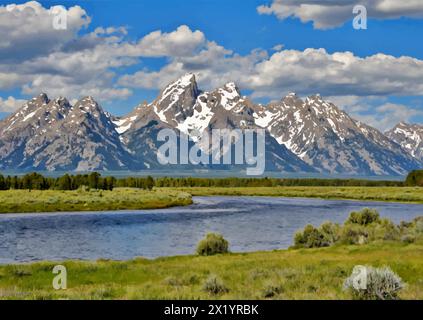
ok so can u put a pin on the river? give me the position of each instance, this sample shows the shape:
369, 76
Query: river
249, 224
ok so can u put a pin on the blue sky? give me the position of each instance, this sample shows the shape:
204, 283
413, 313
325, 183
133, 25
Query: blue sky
220, 41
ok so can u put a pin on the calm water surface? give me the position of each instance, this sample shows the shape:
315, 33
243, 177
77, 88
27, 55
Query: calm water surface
249, 223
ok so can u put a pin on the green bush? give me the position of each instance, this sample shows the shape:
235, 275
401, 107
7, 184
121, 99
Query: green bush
408, 238
415, 179
212, 244
364, 217
361, 227
213, 285
418, 222
410, 232
374, 284
386, 230
324, 236
354, 234
310, 237
330, 232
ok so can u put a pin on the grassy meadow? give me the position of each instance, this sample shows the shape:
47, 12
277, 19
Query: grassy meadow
21, 201
24, 201
288, 274
394, 194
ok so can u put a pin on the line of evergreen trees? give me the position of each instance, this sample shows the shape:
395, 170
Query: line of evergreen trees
36, 181
270, 182
95, 181
415, 179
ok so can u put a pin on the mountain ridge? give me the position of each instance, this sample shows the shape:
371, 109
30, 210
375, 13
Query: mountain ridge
310, 135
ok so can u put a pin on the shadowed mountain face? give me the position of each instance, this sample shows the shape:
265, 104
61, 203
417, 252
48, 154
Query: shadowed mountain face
301, 136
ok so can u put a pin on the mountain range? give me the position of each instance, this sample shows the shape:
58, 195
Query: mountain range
307, 136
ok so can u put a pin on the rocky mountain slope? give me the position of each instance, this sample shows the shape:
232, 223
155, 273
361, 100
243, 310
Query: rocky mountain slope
331, 141
54, 135
410, 137
310, 135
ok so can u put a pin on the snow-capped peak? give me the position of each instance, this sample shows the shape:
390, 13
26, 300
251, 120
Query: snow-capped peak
230, 95
179, 85
176, 101
410, 137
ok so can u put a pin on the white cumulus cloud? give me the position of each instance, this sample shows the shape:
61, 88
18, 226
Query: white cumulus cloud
325, 14
75, 63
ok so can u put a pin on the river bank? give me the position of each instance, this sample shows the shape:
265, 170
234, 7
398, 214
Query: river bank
388, 194
287, 274
25, 201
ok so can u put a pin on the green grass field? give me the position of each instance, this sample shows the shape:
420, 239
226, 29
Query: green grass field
297, 274
21, 201
12, 201
397, 194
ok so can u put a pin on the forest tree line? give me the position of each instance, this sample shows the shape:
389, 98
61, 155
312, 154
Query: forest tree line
415, 178
36, 181
94, 180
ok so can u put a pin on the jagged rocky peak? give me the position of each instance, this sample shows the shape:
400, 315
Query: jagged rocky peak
317, 101
228, 96
215, 108
292, 99
54, 110
88, 109
35, 113
403, 127
186, 86
42, 98
123, 124
301, 134
176, 101
409, 137
61, 101
89, 112
323, 109
328, 139
34, 104
88, 103
59, 104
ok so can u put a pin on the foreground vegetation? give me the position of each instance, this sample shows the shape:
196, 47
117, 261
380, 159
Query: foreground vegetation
289, 274
21, 201
319, 267
398, 194
362, 227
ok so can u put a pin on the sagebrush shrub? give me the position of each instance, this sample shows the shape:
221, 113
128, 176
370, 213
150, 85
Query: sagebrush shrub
271, 290
354, 234
363, 217
213, 285
379, 284
311, 237
408, 238
387, 230
360, 228
330, 233
212, 244
419, 225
